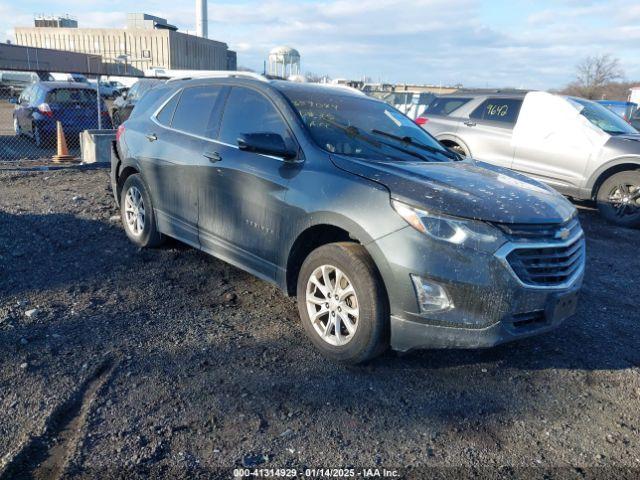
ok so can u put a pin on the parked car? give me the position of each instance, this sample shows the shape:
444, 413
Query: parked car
70, 77
386, 237
12, 83
412, 104
108, 89
622, 109
634, 120
42, 104
577, 146
123, 105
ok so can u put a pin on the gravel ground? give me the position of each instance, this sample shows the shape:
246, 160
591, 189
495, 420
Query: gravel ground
167, 363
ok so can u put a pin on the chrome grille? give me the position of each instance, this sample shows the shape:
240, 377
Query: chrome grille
548, 265
537, 232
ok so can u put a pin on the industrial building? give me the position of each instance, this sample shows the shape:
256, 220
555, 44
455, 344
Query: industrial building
146, 42
60, 21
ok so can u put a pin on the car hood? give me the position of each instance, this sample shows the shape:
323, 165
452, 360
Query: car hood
467, 189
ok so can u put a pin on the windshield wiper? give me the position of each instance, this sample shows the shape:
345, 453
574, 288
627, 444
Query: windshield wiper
354, 131
412, 141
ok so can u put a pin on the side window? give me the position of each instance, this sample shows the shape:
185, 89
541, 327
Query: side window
503, 110
195, 111
149, 102
25, 96
445, 106
133, 93
166, 114
248, 111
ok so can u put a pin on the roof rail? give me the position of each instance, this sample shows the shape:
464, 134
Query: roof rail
346, 88
220, 74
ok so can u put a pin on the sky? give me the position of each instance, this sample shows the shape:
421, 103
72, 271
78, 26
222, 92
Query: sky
515, 43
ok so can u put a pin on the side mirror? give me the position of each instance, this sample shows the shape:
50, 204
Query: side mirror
266, 143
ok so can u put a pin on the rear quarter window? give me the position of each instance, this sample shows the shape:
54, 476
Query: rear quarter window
445, 106
149, 102
503, 110
165, 115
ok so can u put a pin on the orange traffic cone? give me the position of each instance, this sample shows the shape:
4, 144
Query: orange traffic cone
63, 152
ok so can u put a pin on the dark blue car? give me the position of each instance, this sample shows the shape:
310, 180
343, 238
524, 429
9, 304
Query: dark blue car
42, 104
622, 109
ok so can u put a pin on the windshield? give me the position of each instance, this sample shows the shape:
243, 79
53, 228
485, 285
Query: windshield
363, 127
602, 117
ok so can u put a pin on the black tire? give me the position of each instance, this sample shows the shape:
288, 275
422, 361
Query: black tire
39, 139
16, 128
460, 150
371, 337
149, 235
612, 193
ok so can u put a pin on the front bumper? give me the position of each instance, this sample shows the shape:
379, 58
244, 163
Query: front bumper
492, 306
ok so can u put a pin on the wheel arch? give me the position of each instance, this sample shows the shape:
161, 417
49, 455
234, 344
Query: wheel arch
608, 169
326, 228
124, 171
448, 139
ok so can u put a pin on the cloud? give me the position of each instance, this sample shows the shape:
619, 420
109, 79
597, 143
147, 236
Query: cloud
473, 42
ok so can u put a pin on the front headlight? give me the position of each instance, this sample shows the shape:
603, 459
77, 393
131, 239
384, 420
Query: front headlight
468, 233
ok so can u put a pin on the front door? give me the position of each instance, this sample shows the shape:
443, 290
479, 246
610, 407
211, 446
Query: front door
242, 209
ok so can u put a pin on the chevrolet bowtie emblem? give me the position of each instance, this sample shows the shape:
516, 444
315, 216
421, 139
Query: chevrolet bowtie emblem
563, 234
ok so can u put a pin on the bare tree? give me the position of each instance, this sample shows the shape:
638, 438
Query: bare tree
594, 74
316, 77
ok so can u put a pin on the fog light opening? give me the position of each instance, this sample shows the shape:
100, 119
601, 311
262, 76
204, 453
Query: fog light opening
432, 297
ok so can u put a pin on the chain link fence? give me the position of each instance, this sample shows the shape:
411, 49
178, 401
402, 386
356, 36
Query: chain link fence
412, 104
31, 108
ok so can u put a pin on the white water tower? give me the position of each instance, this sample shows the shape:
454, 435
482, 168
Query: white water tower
201, 18
284, 62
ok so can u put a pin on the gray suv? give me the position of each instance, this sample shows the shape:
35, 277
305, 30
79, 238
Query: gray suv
386, 238
579, 147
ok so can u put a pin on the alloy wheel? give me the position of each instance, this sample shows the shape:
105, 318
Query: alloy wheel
332, 305
625, 199
134, 211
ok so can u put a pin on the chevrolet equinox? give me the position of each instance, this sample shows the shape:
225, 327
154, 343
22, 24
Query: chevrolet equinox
387, 238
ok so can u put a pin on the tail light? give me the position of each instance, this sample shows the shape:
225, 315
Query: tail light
45, 110
120, 132
421, 120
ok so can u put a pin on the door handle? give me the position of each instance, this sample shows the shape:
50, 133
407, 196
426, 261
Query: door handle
212, 156
152, 137
470, 123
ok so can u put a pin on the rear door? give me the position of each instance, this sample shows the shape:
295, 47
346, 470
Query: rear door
489, 128
439, 116
172, 150
241, 204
